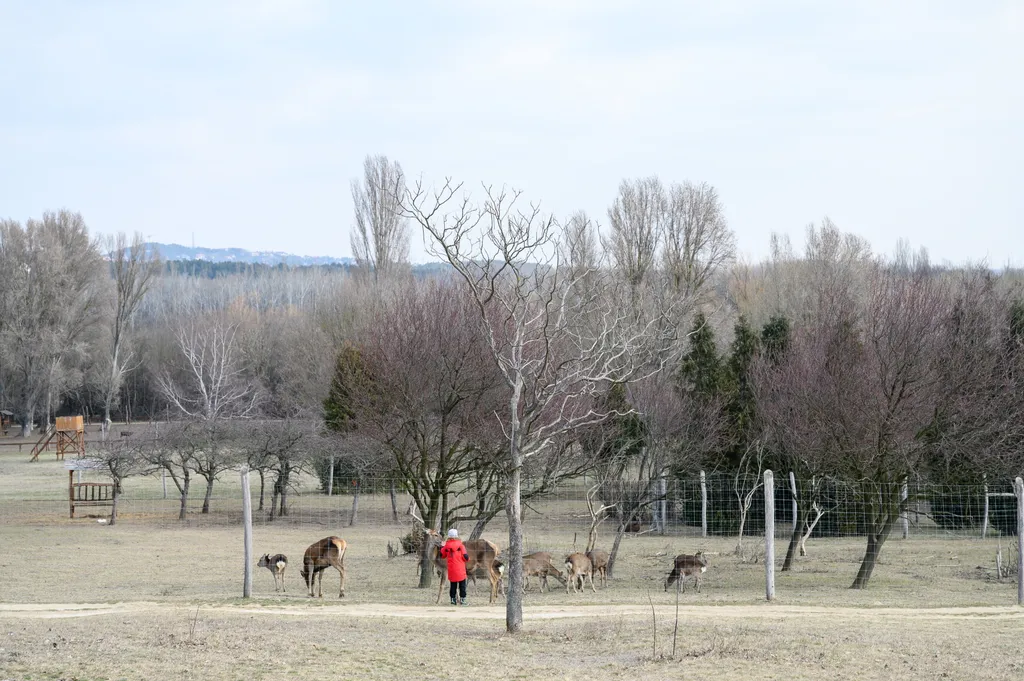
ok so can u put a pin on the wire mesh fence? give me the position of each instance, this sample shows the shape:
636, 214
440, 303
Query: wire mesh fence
693, 506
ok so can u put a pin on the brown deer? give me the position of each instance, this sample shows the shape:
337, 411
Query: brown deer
276, 564
328, 552
687, 566
538, 564
483, 555
599, 561
579, 568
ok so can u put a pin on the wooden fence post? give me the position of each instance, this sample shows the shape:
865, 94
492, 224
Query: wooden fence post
904, 519
163, 480
1018, 488
984, 515
663, 503
792, 488
703, 505
769, 534
247, 532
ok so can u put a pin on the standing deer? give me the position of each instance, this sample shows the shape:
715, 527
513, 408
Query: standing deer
599, 561
538, 564
328, 552
685, 566
482, 555
579, 568
276, 564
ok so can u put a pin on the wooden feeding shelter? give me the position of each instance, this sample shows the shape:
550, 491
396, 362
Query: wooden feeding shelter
87, 493
69, 432
6, 419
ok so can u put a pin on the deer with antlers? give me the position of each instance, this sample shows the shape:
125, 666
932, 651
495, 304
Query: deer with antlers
483, 556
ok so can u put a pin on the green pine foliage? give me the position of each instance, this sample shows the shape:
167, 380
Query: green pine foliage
624, 434
701, 372
339, 407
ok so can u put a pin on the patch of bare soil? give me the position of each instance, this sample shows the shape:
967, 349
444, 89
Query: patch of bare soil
497, 612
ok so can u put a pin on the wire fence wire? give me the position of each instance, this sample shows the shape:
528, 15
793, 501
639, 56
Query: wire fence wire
678, 507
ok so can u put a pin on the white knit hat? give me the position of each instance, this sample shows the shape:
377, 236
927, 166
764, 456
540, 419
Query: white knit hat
453, 533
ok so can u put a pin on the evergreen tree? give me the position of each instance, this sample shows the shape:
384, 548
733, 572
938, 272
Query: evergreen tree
740, 403
701, 371
623, 434
340, 410
775, 337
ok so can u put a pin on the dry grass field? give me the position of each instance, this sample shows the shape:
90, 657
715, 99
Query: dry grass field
152, 599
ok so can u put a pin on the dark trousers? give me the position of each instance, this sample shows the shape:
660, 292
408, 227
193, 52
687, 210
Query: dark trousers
461, 586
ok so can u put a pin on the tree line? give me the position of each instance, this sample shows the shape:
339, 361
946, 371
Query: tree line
547, 347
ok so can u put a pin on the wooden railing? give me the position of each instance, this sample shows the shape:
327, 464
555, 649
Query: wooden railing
89, 494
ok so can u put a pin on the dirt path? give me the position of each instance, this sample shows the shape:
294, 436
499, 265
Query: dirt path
761, 611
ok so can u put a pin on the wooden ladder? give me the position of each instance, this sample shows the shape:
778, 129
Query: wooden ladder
43, 443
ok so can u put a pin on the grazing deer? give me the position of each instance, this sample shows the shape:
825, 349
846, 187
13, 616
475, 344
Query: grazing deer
599, 562
276, 564
328, 552
482, 556
686, 566
538, 564
579, 568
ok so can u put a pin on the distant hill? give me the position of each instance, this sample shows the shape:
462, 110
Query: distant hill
176, 252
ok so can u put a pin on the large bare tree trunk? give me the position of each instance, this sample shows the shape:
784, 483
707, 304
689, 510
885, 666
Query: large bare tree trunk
610, 569
426, 567
186, 483
113, 506
394, 503
355, 507
429, 521
867, 565
514, 512
26, 425
209, 494
794, 540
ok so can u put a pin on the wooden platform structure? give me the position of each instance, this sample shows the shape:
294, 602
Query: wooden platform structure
69, 432
87, 493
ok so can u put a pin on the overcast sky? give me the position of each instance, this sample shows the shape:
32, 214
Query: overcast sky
244, 122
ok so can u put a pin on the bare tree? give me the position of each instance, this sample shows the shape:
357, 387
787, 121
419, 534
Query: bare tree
173, 452
281, 447
552, 347
425, 392
746, 481
862, 385
636, 446
380, 240
578, 248
698, 241
210, 388
213, 384
121, 458
637, 219
51, 271
133, 270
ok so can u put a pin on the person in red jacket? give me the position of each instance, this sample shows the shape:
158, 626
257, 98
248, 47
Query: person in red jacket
454, 551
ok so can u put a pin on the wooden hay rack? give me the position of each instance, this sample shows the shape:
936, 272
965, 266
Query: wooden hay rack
87, 493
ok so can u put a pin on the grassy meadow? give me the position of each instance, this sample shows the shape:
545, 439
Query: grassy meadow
156, 598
